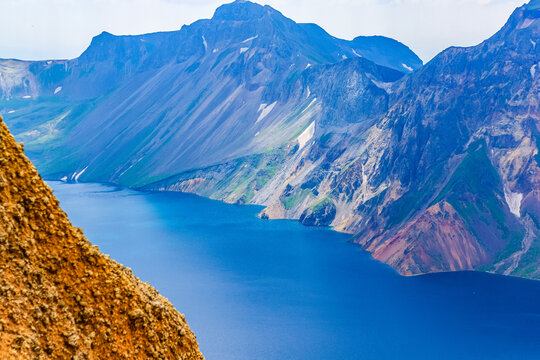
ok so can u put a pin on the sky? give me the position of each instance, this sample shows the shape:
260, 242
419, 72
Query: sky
62, 29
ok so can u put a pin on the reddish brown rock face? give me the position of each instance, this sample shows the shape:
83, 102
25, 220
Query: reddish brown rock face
437, 236
61, 298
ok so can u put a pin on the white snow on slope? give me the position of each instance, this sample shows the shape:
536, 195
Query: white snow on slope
407, 67
205, 43
77, 175
306, 135
355, 53
243, 50
57, 90
249, 39
513, 199
311, 103
265, 110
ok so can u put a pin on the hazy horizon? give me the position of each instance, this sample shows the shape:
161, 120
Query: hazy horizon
59, 29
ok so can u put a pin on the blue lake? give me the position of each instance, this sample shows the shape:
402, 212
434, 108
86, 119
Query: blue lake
254, 289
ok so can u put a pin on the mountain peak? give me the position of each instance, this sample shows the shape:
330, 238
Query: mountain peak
104, 35
241, 10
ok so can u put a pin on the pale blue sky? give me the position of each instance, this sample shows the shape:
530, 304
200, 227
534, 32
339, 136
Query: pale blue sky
46, 29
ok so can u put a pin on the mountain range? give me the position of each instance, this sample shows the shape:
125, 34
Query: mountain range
431, 167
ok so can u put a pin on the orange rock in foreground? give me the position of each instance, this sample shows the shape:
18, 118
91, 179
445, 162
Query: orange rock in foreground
60, 297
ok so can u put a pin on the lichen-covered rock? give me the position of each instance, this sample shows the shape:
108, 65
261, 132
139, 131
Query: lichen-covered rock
60, 297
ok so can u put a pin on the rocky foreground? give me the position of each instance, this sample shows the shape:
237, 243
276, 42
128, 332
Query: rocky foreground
60, 297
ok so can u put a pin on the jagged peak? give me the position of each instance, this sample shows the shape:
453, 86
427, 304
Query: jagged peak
103, 35
242, 10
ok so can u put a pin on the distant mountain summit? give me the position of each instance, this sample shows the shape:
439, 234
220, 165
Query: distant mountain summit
432, 168
118, 57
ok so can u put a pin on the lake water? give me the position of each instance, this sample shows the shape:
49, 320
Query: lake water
254, 289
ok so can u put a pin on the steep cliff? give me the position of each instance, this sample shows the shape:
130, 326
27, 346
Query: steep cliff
61, 298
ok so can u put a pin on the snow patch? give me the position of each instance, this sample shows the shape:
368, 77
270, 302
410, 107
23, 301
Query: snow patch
308, 66
382, 85
205, 44
525, 23
306, 135
214, 51
11, 111
243, 50
355, 53
308, 91
57, 90
249, 39
513, 199
343, 57
265, 110
257, 133
407, 67
64, 179
533, 70
77, 175
27, 97
307, 107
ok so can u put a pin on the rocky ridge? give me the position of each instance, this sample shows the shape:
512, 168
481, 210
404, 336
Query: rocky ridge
61, 298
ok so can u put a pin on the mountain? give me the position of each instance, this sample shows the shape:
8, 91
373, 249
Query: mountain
431, 170
434, 171
61, 297
136, 108
463, 135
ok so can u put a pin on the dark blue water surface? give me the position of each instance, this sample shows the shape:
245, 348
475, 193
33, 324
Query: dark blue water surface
255, 289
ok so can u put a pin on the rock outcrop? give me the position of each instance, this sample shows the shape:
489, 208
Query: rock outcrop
60, 297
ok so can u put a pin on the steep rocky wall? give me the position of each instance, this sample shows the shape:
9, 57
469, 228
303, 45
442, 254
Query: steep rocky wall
61, 298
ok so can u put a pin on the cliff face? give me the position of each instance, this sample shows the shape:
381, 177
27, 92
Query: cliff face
61, 298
